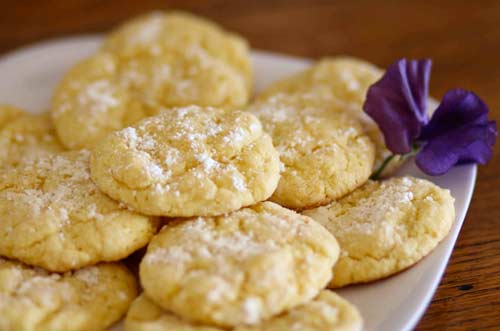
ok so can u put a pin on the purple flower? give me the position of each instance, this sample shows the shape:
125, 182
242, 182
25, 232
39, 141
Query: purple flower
459, 131
397, 102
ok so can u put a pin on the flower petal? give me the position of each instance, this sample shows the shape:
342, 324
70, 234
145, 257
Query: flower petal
397, 103
472, 143
458, 108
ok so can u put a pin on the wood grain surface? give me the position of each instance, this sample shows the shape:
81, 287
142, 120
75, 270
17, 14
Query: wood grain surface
462, 37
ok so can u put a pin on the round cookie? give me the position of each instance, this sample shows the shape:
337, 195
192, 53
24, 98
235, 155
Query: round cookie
53, 216
385, 227
181, 30
238, 268
92, 298
22, 134
107, 91
327, 312
343, 81
187, 162
324, 150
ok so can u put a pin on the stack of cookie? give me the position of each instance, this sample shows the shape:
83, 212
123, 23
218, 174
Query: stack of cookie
261, 206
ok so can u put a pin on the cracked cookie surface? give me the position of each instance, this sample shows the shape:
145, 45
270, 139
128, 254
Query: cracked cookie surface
23, 134
53, 215
181, 29
188, 161
385, 227
324, 150
91, 298
242, 267
327, 312
343, 81
171, 76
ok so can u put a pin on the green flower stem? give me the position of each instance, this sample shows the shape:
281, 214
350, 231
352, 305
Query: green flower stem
378, 172
414, 150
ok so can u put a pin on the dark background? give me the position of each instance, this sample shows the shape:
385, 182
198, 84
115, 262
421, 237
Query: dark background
462, 37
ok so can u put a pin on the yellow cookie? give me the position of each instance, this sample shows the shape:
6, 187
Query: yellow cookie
327, 312
343, 81
22, 134
324, 150
187, 162
241, 267
181, 30
385, 227
53, 216
91, 298
171, 76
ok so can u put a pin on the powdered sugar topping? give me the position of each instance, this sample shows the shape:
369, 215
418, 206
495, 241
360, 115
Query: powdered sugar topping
89, 275
373, 215
189, 139
219, 245
253, 310
70, 186
96, 97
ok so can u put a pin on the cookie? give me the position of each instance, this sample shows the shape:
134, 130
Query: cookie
188, 161
343, 81
324, 150
108, 92
181, 30
242, 267
53, 216
24, 134
170, 76
327, 312
91, 298
385, 227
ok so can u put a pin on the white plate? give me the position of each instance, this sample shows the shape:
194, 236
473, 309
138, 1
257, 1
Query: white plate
27, 78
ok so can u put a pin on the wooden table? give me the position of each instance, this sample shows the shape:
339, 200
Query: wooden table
462, 37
